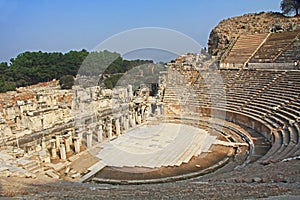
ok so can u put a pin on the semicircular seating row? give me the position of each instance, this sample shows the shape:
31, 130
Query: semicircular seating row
270, 96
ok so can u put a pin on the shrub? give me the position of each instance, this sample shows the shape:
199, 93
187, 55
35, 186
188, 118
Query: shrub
66, 82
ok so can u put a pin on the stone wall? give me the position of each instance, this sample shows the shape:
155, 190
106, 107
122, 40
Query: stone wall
33, 109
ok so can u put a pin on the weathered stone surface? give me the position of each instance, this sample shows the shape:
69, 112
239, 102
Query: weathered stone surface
51, 174
30, 175
5, 173
256, 179
59, 166
67, 170
33, 109
77, 175
229, 29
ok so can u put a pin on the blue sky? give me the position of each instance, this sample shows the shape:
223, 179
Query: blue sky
63, 25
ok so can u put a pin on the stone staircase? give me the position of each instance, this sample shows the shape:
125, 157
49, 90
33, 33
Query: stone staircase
31, 166
244, 48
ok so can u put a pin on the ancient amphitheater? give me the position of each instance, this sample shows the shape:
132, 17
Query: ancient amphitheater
215, 131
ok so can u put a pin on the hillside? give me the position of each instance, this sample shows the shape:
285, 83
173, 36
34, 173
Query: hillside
229, 29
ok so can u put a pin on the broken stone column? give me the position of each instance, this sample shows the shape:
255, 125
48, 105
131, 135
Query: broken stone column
130, 120
53, 149
80, 137
146, 112
67, 143
70, 137
100, 132
109, 127
77, 144
89, 139
57, 138
122, 124
44, 143
117, 124
62, 152
130, 92
126, 123
143, 109
158, 110
138, 118
133, 120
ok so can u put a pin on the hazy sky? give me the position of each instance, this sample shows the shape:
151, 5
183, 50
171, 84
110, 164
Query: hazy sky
63, 25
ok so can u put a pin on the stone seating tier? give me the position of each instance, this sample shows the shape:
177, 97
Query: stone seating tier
282, 47
244, 47
290, 55
271, 96
274, 45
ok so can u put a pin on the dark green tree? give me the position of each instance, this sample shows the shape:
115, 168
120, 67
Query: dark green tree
7, 86
112, 81
290, 6
66, 82
6, 83
30, 68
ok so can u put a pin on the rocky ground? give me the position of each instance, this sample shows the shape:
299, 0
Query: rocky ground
252, 182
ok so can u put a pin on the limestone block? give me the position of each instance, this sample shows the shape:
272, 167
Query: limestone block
5, 130
22, 123
106, 93
35, 123
30, 114
51, 174
5, 157
30, 175
77, 175
49, 120
5, 173
20, 102
59, 166
38, 148
10, 113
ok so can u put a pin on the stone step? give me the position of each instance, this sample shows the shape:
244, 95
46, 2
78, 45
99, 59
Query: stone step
52, 174
34, 168
93, 170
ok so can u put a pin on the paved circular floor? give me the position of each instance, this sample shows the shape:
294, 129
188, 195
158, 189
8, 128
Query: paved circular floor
155, 146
